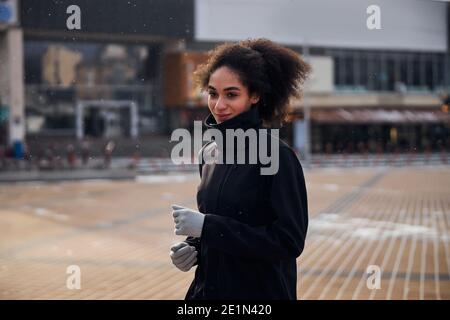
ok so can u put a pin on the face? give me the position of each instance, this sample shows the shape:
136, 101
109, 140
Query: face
227, 97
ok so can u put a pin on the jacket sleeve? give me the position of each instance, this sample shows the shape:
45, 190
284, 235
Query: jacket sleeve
285, 237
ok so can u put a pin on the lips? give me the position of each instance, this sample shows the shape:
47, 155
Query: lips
223, 116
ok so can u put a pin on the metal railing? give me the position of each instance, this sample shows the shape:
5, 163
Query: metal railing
51, 109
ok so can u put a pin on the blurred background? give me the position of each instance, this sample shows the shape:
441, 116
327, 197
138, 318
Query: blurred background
126, 75
93, 90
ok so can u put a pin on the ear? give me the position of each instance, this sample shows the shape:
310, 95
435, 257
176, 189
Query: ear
254, 98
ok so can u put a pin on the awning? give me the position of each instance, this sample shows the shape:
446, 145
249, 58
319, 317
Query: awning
379, 116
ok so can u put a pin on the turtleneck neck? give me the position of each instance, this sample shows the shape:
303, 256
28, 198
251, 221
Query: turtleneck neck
245, 120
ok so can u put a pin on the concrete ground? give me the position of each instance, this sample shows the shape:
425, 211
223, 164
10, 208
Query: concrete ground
364, 220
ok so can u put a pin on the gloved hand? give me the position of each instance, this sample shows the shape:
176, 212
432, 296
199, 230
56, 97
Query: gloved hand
183, 256
188, 222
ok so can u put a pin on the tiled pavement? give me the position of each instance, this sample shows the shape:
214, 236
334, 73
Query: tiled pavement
119, 234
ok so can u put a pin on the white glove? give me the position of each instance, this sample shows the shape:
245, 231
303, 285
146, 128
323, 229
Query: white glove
183, 256
188, 222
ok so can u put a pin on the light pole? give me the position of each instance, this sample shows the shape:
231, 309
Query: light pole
306, 112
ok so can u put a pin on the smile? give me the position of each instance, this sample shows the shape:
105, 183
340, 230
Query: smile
223, 116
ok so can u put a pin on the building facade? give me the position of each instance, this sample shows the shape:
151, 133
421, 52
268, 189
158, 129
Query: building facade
379, 83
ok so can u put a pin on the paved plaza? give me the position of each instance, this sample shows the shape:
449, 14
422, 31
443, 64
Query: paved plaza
394, 220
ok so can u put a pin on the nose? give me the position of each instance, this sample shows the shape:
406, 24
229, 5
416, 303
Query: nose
220, 105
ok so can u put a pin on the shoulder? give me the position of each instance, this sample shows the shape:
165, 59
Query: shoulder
283, 162
289, 163
287, 155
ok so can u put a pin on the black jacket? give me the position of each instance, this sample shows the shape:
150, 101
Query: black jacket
255, 225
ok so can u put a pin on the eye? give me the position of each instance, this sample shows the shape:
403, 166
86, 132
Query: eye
212, 93
231, 95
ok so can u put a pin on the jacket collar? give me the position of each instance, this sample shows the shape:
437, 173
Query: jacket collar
245, 120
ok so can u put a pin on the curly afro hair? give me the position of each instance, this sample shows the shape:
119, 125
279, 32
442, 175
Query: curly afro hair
272, 71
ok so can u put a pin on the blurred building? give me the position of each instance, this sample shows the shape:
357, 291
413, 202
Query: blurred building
106, 55
59, 65
376, 90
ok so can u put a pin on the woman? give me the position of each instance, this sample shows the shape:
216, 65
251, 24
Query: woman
250, 228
